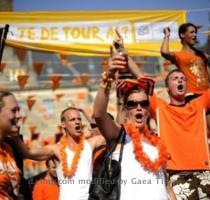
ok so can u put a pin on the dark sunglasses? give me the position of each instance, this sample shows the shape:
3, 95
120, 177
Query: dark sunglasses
134, 104
92, 125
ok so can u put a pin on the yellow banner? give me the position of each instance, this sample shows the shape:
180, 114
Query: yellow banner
89, 33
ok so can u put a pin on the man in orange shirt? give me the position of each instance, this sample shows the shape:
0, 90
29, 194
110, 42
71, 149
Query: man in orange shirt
47, 188
182, 127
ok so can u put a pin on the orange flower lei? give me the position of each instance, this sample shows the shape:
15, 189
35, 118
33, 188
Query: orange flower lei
140, 155
79, 147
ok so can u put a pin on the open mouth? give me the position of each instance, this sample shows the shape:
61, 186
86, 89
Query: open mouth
195, 39
15, 127
14, 122
180, 87
139, 116
78, 128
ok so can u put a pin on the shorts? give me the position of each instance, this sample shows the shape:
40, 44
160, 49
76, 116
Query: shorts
191, 185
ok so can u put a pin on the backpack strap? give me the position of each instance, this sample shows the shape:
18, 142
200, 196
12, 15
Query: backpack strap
117, 141
122, 144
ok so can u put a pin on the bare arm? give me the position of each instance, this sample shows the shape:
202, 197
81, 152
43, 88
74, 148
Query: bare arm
106, 125
120, 118
135, 70
171, 194
33, 153
164, 50
169, 187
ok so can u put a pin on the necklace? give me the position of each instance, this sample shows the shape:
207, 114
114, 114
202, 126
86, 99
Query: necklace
69, 172
140, 155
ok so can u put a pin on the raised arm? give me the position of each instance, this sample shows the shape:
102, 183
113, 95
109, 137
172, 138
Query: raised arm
134, 68
42, 153
164, 50
106, 125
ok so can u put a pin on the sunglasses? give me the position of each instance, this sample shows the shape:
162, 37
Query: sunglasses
130, 104
92, 125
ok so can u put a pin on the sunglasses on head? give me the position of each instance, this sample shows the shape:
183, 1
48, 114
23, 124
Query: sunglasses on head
130, 104
93, 125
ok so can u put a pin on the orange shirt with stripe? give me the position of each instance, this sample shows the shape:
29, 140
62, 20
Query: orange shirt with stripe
183, 131
194, 69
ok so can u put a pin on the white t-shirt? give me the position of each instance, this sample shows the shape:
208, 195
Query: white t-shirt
76, 187
137, 182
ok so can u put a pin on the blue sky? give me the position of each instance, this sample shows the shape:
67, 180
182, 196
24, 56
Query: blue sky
198, 9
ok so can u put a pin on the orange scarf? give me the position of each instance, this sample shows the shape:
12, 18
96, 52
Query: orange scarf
79, 147
140, 155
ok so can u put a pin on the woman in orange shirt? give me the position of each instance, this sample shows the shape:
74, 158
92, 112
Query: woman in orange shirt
193, 62
190, 60
9, 172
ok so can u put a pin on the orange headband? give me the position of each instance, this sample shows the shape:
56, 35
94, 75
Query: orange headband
126, 85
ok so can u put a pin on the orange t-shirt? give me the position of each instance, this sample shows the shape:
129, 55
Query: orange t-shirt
183, 131
194, 69
45, 190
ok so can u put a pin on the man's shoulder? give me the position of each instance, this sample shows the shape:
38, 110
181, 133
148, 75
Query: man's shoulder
96, 141
198, 97
192, 97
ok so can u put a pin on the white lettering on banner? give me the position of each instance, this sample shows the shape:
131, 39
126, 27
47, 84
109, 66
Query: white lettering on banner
153, 31
70, 32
